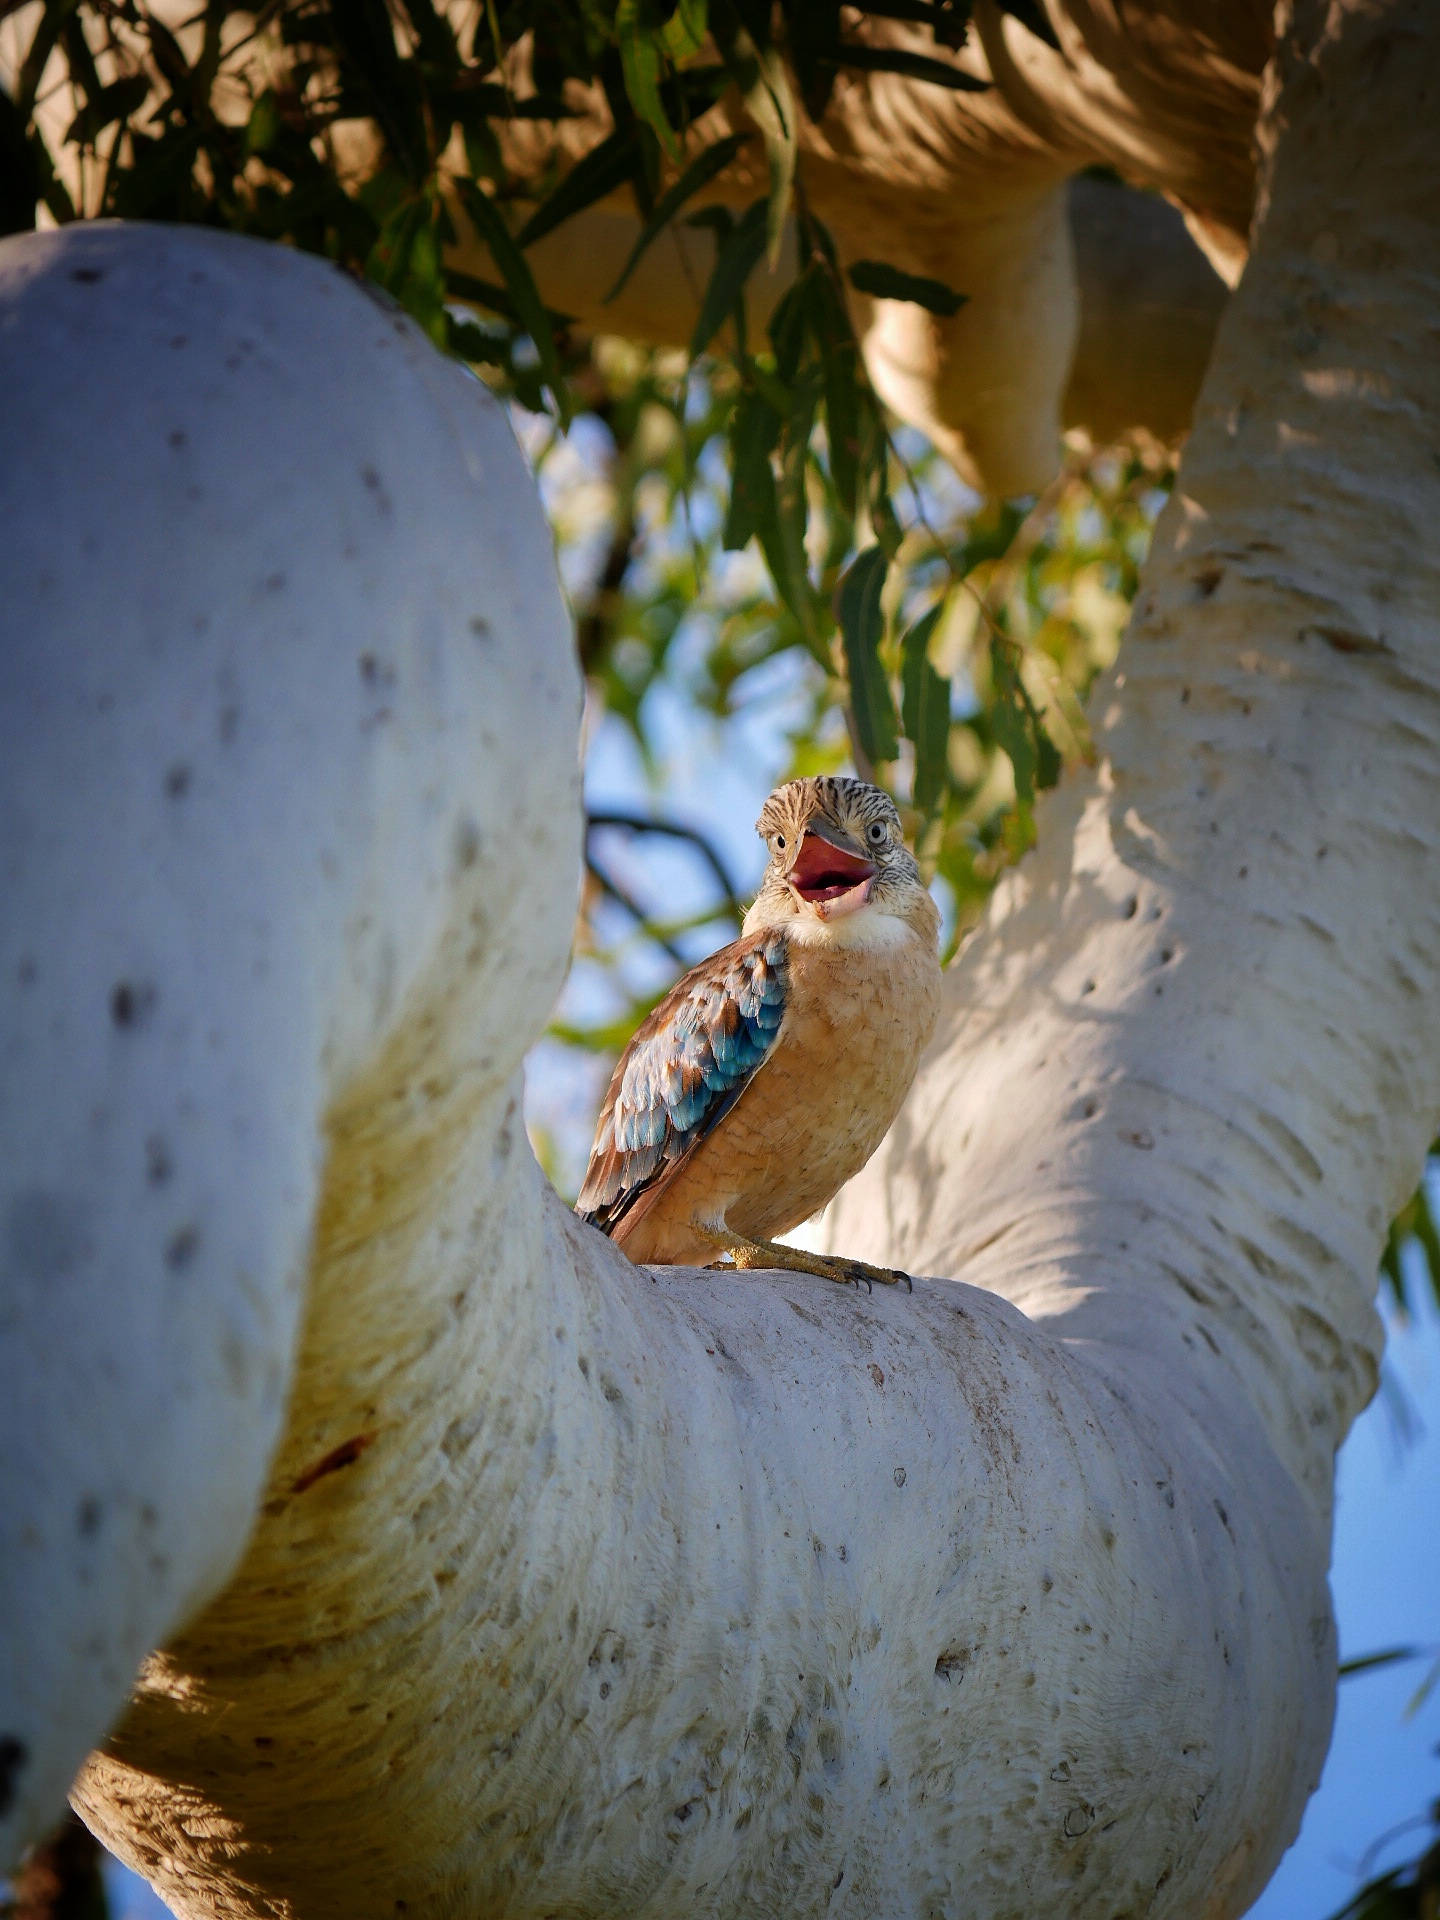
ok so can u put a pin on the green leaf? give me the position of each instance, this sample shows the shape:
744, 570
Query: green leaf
606, 167
840, 359
925, 710
485, 293
760, 74
813, 43
640, 63
1018, 727
884, 282
701, 171
787, 328
862, 627
683, 34
789, 563
1009, 721
520, 284
1363, 1662
912, 66
753, 434
733, 264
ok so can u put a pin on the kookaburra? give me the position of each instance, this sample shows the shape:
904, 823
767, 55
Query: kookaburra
770, 1073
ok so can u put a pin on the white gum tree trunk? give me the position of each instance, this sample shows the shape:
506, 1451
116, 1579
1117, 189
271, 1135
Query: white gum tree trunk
582, 1589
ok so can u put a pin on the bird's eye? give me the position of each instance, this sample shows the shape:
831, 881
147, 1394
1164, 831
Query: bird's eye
878, 832
780, 841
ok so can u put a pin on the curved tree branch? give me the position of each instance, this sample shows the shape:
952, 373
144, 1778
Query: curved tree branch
582, 1588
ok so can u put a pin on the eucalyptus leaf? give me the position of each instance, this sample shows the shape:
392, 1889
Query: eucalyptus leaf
701, 171
862, 627
530, 309
912, 66
925, 710
640, 62
736, 258
610, 165
884, 282
753, 435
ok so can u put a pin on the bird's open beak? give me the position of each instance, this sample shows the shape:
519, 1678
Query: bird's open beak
830, 873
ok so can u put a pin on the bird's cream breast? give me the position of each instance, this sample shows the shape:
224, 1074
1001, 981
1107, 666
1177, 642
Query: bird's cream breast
861, 1002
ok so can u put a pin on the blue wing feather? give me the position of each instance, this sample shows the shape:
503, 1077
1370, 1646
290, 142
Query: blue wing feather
687, 1065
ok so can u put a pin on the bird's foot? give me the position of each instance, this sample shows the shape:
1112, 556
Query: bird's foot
768, 1253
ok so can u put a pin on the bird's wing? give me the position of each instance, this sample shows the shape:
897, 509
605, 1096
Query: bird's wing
687, 1065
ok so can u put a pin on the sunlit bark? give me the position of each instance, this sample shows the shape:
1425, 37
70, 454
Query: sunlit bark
577, 1588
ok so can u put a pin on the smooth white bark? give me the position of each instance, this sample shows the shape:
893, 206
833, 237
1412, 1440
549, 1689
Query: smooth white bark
259, 773
682, 1593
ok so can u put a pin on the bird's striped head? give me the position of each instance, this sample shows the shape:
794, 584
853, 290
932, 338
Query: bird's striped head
836, 849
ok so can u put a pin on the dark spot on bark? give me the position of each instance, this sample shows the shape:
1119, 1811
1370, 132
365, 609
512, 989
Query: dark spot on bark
177, 781
176, 437
844, 1553
183, 1246
132, 1002
158, 1164
584, 1366
1137, 1138
610, 1390
838, 1878
87, 276
877, 1374
1089, 1110
1167, 954
26, 972
1089, 987
1078, 1820
951, 1665
274, 582
1167, 1492
1207, 581
88, 1516
13, 1755
180, 341
1163, 1878
1185, 696
480, 627
344, 1455
229, 722
264, 1740
467, 843
899, 1476
1132, 906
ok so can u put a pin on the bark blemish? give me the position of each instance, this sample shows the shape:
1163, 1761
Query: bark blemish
13, 1755
132, 1002
344, 1455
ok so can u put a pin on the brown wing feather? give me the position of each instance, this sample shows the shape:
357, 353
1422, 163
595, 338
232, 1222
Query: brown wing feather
689, 1062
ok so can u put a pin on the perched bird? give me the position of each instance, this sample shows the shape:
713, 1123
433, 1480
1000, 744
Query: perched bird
770, 1073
